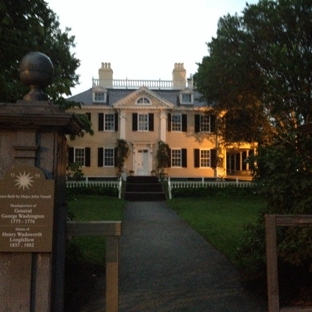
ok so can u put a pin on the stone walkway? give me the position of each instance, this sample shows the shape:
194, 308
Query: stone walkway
167, 266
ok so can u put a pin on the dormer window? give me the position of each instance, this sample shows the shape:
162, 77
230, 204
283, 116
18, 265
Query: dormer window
143, 101
99, 95
187, 97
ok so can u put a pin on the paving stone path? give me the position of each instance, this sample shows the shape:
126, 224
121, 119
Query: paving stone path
167, 266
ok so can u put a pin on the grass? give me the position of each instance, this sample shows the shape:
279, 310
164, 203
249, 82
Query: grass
94, 208
219, 220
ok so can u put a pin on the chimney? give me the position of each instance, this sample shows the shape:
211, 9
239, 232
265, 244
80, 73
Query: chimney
106, 76
179, 76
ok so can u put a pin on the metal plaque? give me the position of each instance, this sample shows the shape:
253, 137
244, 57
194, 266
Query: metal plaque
26, 211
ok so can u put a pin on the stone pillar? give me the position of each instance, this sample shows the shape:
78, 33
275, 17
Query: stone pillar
163, 126
32, 132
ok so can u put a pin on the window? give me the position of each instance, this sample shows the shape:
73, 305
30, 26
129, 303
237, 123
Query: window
175, 158
176, 123
179, 158
143, 100
142, 122
99, 97
204, 158
106, 157
187, 98
80, 155
108, 122
205, 123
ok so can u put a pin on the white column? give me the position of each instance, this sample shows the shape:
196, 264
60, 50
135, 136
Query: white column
122, 119
163, 124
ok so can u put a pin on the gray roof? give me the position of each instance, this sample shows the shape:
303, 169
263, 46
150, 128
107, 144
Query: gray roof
115, 95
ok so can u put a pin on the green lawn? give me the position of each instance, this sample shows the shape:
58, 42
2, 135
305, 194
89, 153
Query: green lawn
95, 208
219, 220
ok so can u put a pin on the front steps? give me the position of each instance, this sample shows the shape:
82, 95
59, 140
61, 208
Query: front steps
144, 188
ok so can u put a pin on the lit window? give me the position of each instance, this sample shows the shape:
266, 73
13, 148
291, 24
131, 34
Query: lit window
176, 158
109, 157
143, 122
205, 158
109, 122
143, 100
176, 122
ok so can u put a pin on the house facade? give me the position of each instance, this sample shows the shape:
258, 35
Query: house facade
143, 113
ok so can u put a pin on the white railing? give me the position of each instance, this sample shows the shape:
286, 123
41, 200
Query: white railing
202, 183
93, 183
137, 83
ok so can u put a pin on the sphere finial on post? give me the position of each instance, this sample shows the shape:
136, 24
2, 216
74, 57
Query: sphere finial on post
36, 71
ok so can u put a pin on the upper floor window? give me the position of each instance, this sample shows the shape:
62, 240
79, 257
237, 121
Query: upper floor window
186, 97
177, 122
108, 122
143, 100
142, 122
205, 123
99, 95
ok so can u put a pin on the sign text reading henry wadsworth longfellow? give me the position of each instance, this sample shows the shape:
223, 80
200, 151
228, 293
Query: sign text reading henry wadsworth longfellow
26, 211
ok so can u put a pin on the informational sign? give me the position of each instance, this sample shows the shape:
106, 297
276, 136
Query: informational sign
26, 211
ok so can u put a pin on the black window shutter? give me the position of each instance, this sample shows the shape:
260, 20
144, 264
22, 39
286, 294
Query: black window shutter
169, 122
88, 116
100, 156
184, 122
70, 154
115, 156
213, 158
134, 122
116, 121
212, 123
88, 156
184, 157
197, 123
196, 158
169, 164
151, 122
101, 121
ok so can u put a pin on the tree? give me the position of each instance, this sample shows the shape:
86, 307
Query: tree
259, 69
31, 25
27, 26
258, 72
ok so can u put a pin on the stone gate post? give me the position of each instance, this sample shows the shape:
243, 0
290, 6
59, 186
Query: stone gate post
32, 136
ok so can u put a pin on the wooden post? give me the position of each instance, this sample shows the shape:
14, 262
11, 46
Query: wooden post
272, 270
112, 273
111, 230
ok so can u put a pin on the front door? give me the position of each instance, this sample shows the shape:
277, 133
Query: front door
142, 162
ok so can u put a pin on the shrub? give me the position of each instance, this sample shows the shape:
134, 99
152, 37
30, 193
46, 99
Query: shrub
227, 190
